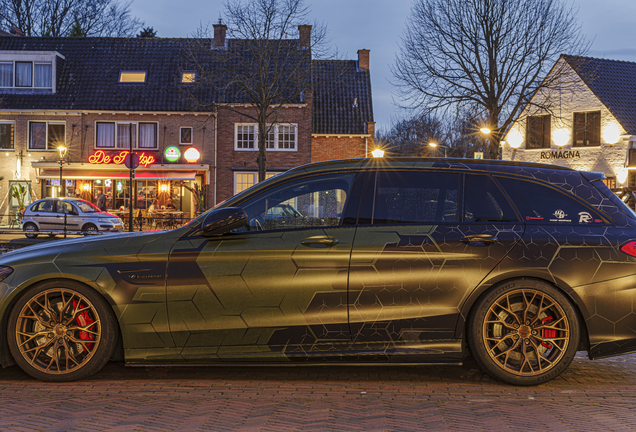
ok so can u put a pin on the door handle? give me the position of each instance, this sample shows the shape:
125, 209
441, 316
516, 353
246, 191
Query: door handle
325, 241
479, 239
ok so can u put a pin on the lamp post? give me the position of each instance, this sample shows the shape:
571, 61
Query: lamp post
434, 144
62, 152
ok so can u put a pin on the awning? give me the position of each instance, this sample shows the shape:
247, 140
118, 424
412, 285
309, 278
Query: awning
72, 174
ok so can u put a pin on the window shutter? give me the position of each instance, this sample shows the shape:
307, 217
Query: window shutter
546, 131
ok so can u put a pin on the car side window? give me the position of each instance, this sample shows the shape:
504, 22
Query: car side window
396, 197
484, 202
45, 206
309, 202
65, 207
540, 204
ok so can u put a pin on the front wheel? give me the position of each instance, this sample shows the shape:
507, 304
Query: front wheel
524, 332
89, 229
61, 331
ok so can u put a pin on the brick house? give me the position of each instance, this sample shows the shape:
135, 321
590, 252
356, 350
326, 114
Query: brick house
90, 95
591, 125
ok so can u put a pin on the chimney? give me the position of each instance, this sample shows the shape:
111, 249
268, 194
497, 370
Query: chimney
219, 35
363, 59
16, 31
304, 36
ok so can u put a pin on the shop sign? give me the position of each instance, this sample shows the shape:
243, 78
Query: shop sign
192, 155
172, 154
560, 154
100, 157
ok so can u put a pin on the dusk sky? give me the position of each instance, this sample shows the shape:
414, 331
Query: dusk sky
378, 24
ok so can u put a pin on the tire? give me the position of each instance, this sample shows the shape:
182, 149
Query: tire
30, 228
523, 343
51, 349
89, 228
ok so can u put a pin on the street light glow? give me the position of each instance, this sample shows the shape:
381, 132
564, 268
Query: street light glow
432, 144
378, 153
485, 130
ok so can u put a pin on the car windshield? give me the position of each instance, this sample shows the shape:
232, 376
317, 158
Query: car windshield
86, 206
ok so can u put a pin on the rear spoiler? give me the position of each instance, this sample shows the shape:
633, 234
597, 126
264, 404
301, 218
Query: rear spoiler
592, 176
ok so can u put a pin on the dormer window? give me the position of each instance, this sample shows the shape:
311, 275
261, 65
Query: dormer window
132, 77
188, 77
26, 74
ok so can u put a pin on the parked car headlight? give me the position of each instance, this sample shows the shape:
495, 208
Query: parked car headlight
4, 272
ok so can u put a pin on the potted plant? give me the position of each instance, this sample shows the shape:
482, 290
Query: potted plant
19, 191
198, 195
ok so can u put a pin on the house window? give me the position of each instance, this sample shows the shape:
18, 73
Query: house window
188, 77
26, 74
132, 77
185, 136
245, 180
587, 129
245, 136
6, 135
538, 132
280, 137
610, 182
46, 135
111, 135
6, 74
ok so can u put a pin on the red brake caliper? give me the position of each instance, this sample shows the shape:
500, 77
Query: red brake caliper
83, 320
547, 333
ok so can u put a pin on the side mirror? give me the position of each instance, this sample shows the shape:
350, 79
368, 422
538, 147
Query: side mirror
222, 220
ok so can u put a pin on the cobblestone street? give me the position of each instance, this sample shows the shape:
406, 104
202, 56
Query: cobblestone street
590, 395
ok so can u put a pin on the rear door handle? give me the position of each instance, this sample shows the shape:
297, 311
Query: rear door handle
315, 241
479, 239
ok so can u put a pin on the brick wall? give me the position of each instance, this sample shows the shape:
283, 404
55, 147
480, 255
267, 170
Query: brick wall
333, 147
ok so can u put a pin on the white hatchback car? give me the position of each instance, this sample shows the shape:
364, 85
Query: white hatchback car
70, 214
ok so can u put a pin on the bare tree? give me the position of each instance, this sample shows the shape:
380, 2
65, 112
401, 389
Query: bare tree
264, 66
489, 55
65, 17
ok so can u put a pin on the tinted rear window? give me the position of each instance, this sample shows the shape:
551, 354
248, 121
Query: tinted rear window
484, 202
539, 204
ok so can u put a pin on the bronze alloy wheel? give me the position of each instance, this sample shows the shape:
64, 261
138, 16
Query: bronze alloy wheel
524, 332
61, 330
58, 331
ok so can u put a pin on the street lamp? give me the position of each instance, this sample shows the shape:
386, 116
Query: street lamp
378, 153
62, 152
434, 144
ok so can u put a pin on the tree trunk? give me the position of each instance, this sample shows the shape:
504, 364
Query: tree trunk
262, 146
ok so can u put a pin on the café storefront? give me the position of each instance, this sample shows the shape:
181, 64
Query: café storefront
155, 185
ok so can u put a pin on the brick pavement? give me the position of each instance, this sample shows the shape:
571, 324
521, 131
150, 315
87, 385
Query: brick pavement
589, 396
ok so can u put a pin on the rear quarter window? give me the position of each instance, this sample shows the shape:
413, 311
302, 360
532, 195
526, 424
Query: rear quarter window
541, 204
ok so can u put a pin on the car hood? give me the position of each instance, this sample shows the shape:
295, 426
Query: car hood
81, 246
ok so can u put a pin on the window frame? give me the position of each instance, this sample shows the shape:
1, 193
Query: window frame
136, 136
47, 122
268, 175
191, 135
14, 76
276, 145
194, 78
11, 123
546, 135
585, 129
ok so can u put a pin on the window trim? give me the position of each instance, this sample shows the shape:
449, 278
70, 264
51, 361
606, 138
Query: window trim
544, 134
276, 147
191, 135
268, 175
600, 128
9, 122
34, 57
47, 122
136, 144
132, 72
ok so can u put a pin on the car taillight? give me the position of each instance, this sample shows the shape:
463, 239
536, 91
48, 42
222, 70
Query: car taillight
629, 248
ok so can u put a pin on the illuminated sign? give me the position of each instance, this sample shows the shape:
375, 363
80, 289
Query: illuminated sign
100, 157
192, 155
172, 154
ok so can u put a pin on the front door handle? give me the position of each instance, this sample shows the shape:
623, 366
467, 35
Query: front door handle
479, 239
317, 241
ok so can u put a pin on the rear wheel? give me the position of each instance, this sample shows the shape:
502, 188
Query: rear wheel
524, 332
29, 229
61, 331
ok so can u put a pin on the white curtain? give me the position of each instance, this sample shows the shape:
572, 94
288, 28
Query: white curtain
123, 135
23, 74
105, 135
38, 135
6, 74
147, 135
42, 75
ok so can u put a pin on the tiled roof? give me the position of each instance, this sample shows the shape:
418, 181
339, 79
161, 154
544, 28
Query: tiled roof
342, 97
613, 82
90, 70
